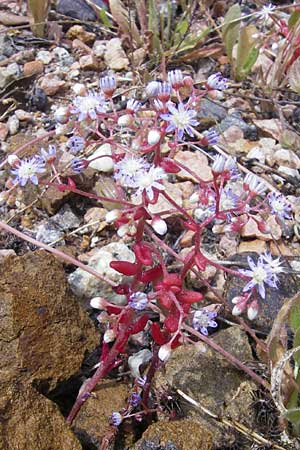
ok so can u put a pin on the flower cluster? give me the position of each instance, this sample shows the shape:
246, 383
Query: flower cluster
156, 298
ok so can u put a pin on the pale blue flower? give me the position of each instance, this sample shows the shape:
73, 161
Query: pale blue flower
28, 170
180, 119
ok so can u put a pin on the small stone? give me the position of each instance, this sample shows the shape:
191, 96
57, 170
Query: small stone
258, 154
52, 84
270, 127
257, 246
44, 56
99, 48
287, 158
102, 164
3, 131
79, 9
211, 110
228, 245
250, 230
196, 162
13, 124
115, 57
48, 232
88, 62
33, 68
294, 173
14, 70
79, 89
96, 217
63, 57
87, 285
162, 204
65, 218
79, 32
5, 77
233, 134
236, 120
23, 116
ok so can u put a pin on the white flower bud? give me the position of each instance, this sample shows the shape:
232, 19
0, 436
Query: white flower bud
125, 120
194, 198
98, 303
153, 137
252, 313
164, 352
111, 216
236, 311
159, 226
109, 336
13, 160
62, 115
123, 230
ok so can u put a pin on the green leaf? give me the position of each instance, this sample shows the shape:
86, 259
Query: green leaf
294, 317
182, 27
293, 415
104, 18
191, 41
230, 29
250, 61
246, 44
294, 17
296, 343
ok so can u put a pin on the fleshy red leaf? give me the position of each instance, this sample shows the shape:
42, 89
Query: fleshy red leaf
151, 274
143, 253
124, 267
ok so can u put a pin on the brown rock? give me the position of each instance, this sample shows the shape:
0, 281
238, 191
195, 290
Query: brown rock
88, 62
33, 68
53, 199
52, 84
3, 131
92, 422
214, 382
179, 434
284, 157
162, 204
270, 127
23, 116
228, 245
44, 333
250, 230
196, 162
256, 246
95, 217
115, 57
233, 134
79, 32
29, 421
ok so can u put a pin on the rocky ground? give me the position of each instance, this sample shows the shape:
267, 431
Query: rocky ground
50, 339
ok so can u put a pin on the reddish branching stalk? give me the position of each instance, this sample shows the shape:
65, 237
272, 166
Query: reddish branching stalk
103, 369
